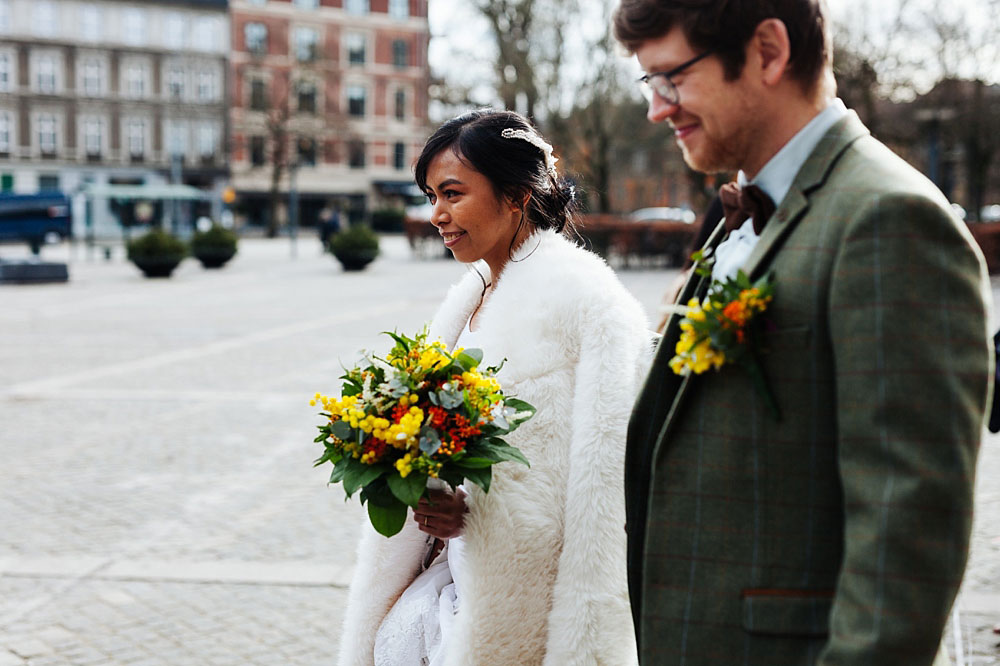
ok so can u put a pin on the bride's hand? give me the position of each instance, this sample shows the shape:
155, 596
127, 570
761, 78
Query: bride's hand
442, 515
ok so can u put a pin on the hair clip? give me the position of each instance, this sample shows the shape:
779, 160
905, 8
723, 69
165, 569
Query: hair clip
537, 142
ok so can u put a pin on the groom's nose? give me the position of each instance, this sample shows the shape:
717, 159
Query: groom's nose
660, 109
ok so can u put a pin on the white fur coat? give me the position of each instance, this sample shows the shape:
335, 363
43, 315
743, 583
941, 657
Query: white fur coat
545, 548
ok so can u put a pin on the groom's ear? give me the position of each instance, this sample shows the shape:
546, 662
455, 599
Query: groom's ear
769, 51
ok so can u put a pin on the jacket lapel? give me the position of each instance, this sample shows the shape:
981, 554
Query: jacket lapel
811, 176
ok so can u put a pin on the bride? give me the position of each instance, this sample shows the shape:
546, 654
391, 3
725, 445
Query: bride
532, 572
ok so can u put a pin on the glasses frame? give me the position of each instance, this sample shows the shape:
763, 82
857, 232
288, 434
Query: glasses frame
660, 83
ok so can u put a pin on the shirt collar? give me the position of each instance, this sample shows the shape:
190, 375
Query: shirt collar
777, 175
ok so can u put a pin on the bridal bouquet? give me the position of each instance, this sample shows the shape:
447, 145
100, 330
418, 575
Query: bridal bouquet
419, 413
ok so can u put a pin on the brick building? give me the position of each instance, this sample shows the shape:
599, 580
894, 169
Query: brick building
113, 92
332, 90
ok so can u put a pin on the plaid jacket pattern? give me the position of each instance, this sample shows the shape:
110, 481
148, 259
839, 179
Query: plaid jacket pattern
838, 535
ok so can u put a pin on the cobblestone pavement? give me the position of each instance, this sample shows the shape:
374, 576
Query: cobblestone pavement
157, 500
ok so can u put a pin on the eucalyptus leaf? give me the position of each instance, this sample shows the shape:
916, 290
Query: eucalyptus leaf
408, 490
387, 520
430, 442
341, 430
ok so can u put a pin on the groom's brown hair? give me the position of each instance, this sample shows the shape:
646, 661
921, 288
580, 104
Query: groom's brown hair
726, 26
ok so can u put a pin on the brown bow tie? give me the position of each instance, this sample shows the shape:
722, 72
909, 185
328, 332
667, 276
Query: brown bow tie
739, 203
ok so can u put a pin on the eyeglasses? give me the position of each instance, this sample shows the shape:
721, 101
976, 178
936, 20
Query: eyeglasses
660, 83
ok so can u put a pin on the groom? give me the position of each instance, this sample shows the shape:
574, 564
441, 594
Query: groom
839, 533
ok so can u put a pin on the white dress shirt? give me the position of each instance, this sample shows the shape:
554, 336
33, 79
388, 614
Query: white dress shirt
775, 179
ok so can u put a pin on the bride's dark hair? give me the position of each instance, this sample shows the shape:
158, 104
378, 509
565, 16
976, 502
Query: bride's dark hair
514, 166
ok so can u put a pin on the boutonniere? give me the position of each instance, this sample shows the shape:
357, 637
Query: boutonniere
726, 327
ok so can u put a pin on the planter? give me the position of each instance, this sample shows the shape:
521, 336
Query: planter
157, 267
213, 257
214, 246
355, 260
355, 247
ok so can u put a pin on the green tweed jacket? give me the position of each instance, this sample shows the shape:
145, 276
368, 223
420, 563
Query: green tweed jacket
839, 534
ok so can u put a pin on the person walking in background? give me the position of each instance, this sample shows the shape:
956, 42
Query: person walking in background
830, 525
534, 571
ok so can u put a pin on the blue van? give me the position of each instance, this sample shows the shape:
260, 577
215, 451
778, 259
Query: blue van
35, 218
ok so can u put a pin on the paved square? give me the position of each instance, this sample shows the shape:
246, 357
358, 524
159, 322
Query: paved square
157, 500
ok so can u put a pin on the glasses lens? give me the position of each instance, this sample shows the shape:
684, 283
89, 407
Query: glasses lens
664, 87
646, 90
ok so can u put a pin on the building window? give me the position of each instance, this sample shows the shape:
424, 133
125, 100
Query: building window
258, 95
306, 95
6, 72
356, 154
206, 34
399, 155
175, 82
4, 16
6, 125
45, 73
90, 23
306, 4
306, 151
206, 86
135, 79
355, 48
93, 137
206, 140
48, 182
135, 26
174, 31
356, 101
176, 137
44, 18
358, 7
400, 53
135, 138
399, 9
47, 137
399, 104
306, 44
256, 37
93, 77
257, 151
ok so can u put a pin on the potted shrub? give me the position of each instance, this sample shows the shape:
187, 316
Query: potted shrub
355, 247
388, 219
156, 253
214, 247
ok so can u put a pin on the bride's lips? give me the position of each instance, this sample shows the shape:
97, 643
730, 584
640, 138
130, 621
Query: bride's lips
451, 238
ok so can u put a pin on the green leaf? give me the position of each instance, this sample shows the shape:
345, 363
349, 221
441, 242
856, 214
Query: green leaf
476, 463
401, 340
359, 475
337, 475
522, 412
499, 450
480, 477
340, 430
469, 358
408, 490
387, 520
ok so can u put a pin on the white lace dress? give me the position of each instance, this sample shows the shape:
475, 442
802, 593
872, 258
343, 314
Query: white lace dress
415, 632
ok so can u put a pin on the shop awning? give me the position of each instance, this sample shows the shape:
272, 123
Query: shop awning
147, 192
